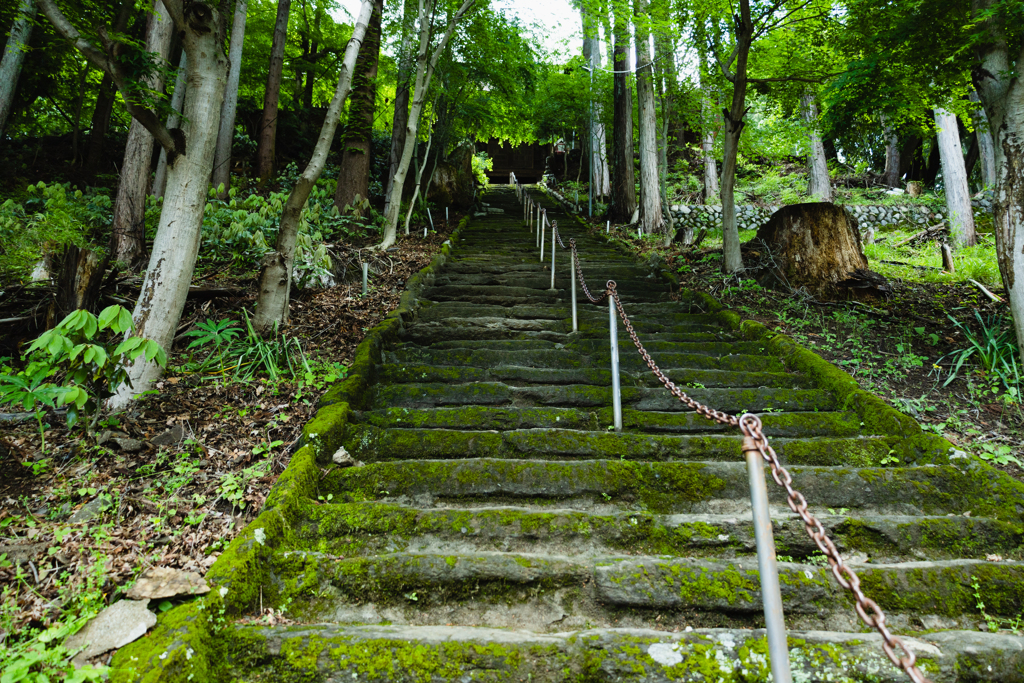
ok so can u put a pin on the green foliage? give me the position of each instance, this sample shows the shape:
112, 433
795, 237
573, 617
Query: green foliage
87, 358
994, 349
245, 352
49, 218
481, 164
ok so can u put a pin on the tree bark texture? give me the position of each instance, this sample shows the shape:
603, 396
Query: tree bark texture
623, 174
276, 277
265, 151
597, 146
400, 120
1002, 93
892, 174
177, 101
732, 260
665, 65
226, 134
128, 232
14, 55
357, 146
986, 150
79, 276
811, 246
652, 220
954, 178
709, 128
176, 246
818, 184
425, 65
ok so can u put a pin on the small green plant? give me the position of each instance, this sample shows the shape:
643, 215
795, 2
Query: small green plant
86, 357
1000, 454
889, 458
995, 350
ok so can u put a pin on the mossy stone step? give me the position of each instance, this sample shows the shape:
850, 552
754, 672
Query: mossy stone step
366, 528
419, 654
756, 399
510, 417
593, 589
487, 328
373, 444
393, 373
679, 487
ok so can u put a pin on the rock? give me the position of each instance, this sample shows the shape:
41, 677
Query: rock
343, 458
109, 435
170, 437
164, 582
114, 627
453, 183
685, 209
89, 511
20, 554
129, 445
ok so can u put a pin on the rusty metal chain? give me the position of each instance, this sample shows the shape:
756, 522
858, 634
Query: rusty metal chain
754, 439
558, 235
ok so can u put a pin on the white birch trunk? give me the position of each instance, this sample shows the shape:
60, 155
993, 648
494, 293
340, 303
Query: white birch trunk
954, 178
177, 100
14, 55
176, 246
818, 184
652, 220
128, 238
276, 277
424, 71
226, 135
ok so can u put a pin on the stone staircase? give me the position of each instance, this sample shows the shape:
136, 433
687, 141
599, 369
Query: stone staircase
497, 529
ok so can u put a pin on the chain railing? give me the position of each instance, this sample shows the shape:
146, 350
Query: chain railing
758, 451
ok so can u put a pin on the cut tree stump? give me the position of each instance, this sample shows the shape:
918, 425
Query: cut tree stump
814, 247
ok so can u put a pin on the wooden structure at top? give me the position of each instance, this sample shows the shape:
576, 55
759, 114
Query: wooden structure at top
525, 160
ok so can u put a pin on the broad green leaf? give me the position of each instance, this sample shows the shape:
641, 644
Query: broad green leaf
107, 315
127, 345
124, 321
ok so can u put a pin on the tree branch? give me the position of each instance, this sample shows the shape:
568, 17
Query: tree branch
107, 62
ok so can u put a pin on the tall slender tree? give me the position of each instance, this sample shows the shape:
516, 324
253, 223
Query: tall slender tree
818, 183
267, 135
177, 101
426, 63
128, 231
276, 274
14, 55
623, 203
954, 179
403, 87
226, 133
652, 219
357, 146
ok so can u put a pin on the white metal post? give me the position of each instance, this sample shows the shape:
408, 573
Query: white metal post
553, 244
366, 276
613, 328
540, 235
572, 278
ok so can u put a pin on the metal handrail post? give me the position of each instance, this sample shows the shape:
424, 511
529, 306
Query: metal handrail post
552, 253
613, 328
366, 277
540, 235
767, 566
572, 279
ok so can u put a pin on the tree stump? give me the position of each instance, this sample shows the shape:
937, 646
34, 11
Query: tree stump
814, 247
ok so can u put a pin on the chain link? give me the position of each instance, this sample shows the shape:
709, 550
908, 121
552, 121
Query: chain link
867, 609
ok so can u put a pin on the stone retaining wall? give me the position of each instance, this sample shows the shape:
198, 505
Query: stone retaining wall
750, 217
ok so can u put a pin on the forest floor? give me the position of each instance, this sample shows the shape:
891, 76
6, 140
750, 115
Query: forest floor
903, 348
170, 483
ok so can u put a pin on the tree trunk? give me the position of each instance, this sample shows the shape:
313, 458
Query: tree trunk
664, 50
623, 181
911, 158
818, 184
954, 178
1001, 91
357, 147
268, 123
931, 170
986, 150
128, 233
651, 219
598, 151
79, 103
709, 123
177, 100
275, 280
98, 129
424, 72
14, 55
401, 117
79, 276
732, 260
892, 174
226, 134
176, 246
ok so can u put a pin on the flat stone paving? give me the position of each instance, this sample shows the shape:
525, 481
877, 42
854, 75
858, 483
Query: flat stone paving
497, 528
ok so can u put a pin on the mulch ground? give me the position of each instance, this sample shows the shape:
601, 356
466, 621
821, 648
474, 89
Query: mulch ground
94, 510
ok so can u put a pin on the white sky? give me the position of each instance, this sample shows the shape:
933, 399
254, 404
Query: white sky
554, 20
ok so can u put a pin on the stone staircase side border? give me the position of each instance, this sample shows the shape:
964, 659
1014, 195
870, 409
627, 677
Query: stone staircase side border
183, 645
